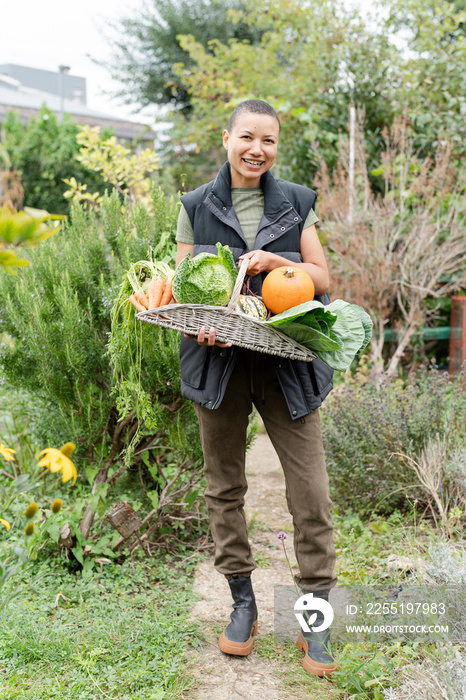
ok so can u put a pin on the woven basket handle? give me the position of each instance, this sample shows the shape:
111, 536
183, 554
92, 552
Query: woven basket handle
238, 286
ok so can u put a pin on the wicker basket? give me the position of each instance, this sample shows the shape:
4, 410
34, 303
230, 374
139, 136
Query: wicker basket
230, 326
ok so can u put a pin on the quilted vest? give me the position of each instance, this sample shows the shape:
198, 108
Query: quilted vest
205, 371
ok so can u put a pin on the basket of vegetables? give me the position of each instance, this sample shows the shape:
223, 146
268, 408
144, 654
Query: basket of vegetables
238, 318
207, 291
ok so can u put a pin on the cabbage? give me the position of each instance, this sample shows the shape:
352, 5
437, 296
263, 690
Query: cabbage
206, 278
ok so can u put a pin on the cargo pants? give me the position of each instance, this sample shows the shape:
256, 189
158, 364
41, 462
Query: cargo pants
298, 444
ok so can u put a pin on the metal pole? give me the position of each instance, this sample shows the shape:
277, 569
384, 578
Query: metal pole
61, 84
352, 136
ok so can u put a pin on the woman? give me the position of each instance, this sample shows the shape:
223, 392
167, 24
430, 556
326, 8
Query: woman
270, 222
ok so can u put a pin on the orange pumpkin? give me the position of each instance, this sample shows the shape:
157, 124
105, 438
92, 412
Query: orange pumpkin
285, 287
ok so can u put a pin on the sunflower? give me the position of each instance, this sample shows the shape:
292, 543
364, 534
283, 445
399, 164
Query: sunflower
6, 452
59, 461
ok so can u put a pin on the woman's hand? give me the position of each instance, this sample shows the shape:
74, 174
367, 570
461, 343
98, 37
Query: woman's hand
209, 340
312, 256
259, 261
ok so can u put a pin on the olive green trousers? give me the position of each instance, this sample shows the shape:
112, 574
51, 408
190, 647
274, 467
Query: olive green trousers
299, 447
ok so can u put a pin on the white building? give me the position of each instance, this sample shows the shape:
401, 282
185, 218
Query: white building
25, 90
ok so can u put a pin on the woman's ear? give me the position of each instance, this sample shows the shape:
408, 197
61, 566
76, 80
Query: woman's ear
226, 138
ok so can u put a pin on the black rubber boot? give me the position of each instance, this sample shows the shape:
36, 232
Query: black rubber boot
318, 657
237, 637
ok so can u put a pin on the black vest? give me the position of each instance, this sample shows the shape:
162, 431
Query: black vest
205, 371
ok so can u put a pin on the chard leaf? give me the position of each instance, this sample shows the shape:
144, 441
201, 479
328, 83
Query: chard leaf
350, 333
311, 338
314, 310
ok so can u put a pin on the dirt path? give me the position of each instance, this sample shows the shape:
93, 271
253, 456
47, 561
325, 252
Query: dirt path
217, 675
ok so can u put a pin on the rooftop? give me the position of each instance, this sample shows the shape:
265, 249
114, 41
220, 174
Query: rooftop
21, 97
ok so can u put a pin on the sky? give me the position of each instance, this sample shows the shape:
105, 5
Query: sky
50, 33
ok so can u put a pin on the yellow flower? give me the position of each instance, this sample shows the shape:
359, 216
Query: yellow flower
29, 529
5, 523
59, 461
31, 510
56, 505
6, 452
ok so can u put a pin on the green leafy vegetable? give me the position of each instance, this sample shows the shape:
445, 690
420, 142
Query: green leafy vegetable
206, 278
313, 329
350, 333
335, 332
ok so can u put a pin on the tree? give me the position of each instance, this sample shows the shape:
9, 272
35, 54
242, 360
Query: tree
316, 58
130, 173
312, 61
432, 83
147, 46
44, 153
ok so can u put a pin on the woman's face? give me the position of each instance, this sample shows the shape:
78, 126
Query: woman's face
252, 147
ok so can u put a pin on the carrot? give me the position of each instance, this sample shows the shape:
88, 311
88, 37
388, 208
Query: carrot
167, 292
136, 303
142, 299
155, 291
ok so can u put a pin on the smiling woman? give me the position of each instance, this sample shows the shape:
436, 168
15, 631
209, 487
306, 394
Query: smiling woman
270, 223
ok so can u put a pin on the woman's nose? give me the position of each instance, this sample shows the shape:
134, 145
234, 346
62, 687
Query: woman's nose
256, 146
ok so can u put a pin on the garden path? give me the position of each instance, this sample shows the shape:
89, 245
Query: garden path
217, 675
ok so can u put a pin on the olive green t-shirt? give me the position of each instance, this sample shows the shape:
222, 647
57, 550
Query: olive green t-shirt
248, 203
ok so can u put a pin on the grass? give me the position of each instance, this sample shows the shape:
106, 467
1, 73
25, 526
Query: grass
363, 546
122, 634
365, 666
287, 663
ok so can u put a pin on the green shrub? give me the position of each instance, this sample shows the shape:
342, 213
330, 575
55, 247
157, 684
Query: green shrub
44, 151
56, 319
366, 430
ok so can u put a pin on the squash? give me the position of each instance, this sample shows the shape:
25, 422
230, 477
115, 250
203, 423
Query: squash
252, 306
286, 287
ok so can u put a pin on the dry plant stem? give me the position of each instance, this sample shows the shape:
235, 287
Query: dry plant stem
428, 469
167, 500
101, 476
400, 248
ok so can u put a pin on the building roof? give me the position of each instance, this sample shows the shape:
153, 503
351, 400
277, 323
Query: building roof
27, 102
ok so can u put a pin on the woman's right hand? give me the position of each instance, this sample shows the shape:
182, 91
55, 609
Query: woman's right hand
208, 340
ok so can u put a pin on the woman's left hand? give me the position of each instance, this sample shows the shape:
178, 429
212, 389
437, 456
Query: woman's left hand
259, 261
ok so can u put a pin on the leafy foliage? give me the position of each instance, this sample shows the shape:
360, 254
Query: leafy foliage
367, 431
24, 228
432, 91
313, 60
56, 317
44, 152
147, 46
128, 172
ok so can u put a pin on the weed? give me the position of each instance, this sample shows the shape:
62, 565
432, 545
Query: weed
122, 634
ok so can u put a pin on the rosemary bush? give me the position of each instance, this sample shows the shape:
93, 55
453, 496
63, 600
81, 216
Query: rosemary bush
367, 430
55, 318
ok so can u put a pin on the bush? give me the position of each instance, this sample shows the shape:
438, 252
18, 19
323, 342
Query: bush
369, 431
56, 320
44, 152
